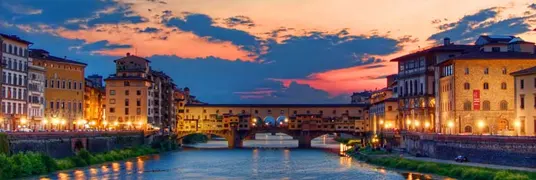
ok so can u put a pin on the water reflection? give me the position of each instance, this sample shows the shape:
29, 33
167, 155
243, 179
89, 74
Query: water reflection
239, 164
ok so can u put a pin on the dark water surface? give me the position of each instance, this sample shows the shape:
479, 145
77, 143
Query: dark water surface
255, 163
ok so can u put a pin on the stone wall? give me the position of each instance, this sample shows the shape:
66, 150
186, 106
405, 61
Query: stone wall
59, 145
501, 150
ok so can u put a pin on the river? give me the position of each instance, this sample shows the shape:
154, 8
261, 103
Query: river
260, 161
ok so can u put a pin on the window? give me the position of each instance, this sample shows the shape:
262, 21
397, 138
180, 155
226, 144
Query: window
522, 101
138, 102
495, 49
503, 85
112, 110
486, 70
138, 111
127, 92
504, 71
138, 92
485, 106
468, 129
51, 83
80, 85
69, 85
467, 106
126, 111
127, 83
466, 86
63, 84
112, 101
126, 102
112, 92
486, 86
466, 70
389, 108
51, 105
504, 105
58, 84
521, 83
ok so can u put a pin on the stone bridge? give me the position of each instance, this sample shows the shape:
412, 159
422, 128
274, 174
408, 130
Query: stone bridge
304, 122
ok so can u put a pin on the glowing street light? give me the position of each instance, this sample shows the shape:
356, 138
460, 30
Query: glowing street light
286, 119
417, 123
517, 124
481, 124
381, 121
23, 121
426, 125
55, 121
450, 124
408, 122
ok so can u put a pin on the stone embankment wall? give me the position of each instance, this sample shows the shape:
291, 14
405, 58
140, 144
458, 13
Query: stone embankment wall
59, 145
501, 150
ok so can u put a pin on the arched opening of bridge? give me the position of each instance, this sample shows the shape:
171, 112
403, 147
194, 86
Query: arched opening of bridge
270, 139
333, 140
281, 121
269, 121
207, 140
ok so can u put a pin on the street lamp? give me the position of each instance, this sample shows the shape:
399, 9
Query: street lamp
450, 124
427, 125
481, 125
517, 124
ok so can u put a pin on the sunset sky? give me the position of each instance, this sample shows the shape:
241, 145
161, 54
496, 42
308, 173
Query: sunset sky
261, 51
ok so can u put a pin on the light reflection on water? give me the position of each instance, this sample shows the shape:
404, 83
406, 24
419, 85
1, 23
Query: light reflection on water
239, 164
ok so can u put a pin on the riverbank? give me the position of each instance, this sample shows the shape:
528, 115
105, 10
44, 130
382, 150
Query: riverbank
31, 163
387, 160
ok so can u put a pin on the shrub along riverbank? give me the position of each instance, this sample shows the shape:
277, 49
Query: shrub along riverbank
31, 163
450, 170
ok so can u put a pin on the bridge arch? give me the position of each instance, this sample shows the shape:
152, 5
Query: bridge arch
281, 120
230, 137
269, 121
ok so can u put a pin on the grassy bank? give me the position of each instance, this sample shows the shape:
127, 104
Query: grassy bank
31, 163
449, 170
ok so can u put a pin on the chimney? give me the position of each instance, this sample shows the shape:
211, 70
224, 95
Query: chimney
446, 41
128, 54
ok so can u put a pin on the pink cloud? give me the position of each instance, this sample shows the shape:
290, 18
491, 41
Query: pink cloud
347, 80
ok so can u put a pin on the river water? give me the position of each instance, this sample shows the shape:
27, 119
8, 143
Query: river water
260, 161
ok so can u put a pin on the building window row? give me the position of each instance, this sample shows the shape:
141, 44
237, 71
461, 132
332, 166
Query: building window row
486, 105
72, 106
486, 70
14, 64
63, 84
14, 79
14, 93
13, 108
15, 50
467, 86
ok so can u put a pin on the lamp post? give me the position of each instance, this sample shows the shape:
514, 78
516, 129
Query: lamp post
408, 123
427, 126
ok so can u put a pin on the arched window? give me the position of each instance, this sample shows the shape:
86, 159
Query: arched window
503, 85
486, 85
467, 106
485, 106
466, 86
504, 105
468, 129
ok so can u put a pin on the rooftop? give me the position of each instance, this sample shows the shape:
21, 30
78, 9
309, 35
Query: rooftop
15, 38
496, 55
527, 71
443, 48
43, 54
277, 105
131, 57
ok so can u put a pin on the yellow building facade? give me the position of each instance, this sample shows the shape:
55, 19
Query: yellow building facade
64, 89
127, 94
476, 95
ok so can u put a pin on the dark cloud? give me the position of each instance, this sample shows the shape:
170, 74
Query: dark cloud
203, 26
149, 30
468, 28
533, 6
239, 21
299, 94
299, 56
102, 45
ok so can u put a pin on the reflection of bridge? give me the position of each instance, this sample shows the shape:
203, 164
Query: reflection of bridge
304, 122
